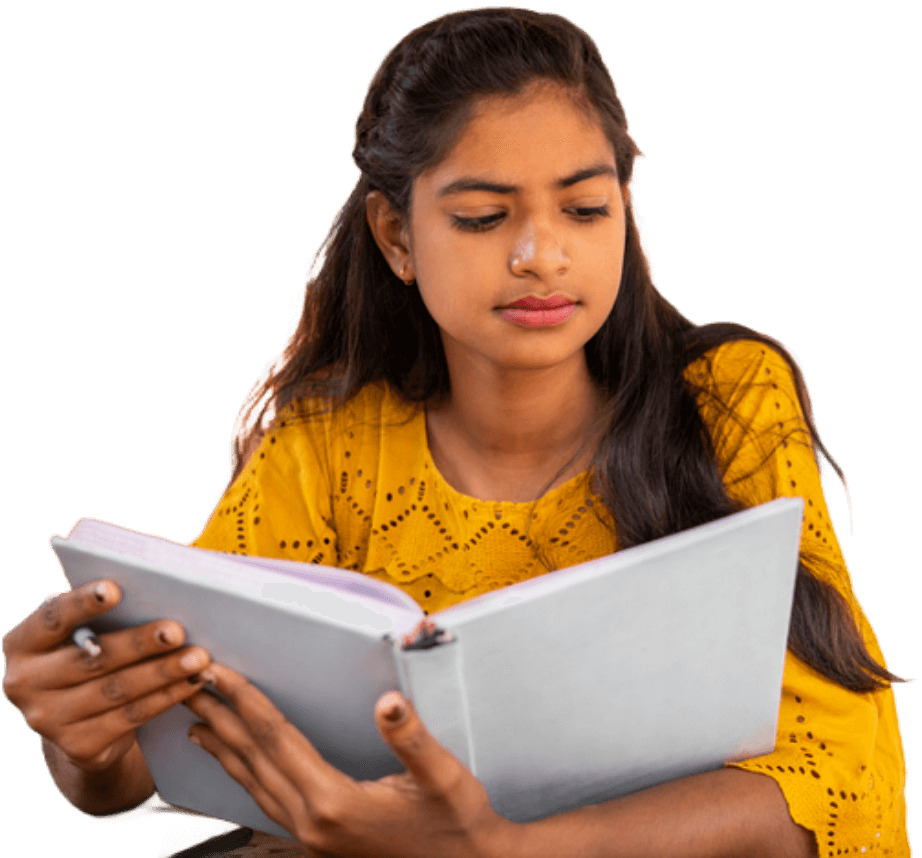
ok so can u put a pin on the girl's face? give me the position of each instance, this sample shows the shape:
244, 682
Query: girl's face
516, 238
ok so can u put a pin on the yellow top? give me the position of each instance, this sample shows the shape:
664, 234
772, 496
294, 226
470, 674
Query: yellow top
358, 489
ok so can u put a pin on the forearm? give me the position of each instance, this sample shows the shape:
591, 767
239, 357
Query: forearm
122, 786
728, 812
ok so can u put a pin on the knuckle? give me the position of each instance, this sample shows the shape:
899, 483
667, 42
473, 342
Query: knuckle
413, 741
319, 822
316, 839
38, 719
325, 814
138, 640
136, 712
113, 688
13, 686
168, 669
79, 748
92, 664
50, 615
9, 642
89, 666
267, 732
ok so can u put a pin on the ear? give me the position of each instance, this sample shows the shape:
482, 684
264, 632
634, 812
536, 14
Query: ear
392, 235
626, 196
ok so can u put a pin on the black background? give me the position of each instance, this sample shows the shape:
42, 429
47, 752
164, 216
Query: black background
179, 175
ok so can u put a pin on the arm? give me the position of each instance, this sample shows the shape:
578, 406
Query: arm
725, 812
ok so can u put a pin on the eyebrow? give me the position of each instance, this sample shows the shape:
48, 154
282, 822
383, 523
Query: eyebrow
473, 184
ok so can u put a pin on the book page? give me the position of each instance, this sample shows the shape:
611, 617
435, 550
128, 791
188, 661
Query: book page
232, 570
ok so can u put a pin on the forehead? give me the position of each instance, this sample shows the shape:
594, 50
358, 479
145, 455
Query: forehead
537, 135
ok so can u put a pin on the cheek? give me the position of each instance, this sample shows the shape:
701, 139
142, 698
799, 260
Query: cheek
449, 249
602, 262
452, 280
444, 297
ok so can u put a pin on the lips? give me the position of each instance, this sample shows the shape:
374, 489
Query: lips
532, 302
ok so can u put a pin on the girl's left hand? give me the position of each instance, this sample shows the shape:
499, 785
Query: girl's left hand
437, 807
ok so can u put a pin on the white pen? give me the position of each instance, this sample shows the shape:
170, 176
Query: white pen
86, 639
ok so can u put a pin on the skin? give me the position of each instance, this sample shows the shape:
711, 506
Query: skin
522, 400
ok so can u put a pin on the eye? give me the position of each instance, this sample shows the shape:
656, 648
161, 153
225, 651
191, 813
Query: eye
591, 214
475, 224
481, 224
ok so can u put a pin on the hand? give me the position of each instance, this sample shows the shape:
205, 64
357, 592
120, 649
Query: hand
89, 706
436, 808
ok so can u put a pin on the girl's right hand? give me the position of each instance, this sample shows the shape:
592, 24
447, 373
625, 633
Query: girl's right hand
89, 706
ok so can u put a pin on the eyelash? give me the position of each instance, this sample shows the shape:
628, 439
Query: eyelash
481, 224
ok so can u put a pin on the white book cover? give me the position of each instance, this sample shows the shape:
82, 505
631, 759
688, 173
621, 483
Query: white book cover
580, 685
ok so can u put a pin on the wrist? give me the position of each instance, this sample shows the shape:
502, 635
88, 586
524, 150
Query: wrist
502, 839
101, 789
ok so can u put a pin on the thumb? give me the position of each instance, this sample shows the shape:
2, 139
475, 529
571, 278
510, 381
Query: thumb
432, 765
391, 711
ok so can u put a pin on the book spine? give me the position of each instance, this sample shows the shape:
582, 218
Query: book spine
433, 680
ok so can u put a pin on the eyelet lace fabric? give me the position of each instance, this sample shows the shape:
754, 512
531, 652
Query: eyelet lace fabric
357, 488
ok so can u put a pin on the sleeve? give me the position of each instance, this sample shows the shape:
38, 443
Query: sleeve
280, 505
838, 756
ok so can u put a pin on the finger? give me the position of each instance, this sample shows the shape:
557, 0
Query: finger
269, 730
69, 665
125, 688
238, 769
85, 740
54, 621
64, 690
274, 733
431, 764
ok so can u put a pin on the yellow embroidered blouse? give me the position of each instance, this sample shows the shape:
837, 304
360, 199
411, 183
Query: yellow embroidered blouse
357, 489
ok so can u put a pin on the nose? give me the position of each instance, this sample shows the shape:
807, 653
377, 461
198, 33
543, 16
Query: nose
538, 251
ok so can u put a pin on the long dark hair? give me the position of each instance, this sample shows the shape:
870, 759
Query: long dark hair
361, 323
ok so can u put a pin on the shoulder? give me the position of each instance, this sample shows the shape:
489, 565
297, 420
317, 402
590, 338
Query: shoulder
739, 363
374, 404
748, 378
750, 400
322, 409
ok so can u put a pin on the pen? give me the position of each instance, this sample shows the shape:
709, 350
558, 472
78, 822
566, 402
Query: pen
87, 641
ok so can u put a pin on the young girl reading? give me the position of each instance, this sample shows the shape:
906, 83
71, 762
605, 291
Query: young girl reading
485, 385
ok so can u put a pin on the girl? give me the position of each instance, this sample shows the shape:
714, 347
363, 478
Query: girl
485, 385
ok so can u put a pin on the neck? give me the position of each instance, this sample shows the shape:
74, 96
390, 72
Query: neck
513, 435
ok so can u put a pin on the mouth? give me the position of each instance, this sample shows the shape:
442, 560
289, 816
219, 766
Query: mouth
533, 302
540, 317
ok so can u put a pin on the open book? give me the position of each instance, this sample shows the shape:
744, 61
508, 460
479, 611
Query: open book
580, 685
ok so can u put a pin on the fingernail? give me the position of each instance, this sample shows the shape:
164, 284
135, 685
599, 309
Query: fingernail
167, 636
99, 592
396, 712
194, 739
192, 660
207, 676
